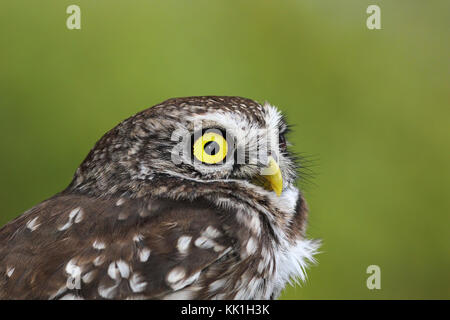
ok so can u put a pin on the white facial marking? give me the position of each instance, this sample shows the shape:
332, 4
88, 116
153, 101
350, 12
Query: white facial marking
183, 244
32, 224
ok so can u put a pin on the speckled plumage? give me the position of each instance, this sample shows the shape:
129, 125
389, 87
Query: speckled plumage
135, 225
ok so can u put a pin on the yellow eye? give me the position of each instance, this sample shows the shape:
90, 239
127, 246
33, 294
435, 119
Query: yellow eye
210, 148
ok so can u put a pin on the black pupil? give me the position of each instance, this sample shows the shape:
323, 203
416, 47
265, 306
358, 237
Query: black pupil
211, 148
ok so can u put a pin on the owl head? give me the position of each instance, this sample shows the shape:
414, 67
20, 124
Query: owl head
191, 198
205, 139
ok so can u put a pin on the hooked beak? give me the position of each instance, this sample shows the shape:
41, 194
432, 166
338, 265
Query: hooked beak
272, 174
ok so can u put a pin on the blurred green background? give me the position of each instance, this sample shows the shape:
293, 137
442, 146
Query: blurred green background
371, 108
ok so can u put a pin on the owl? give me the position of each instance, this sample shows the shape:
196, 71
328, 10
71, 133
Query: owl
194, 198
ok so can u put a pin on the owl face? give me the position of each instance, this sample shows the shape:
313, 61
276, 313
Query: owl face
201, 138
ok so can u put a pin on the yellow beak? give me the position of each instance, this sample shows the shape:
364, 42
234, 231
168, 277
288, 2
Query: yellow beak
273, 175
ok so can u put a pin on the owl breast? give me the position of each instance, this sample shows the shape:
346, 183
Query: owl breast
264, 257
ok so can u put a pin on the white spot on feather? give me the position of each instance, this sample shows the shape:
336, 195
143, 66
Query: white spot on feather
204, 243
211, 232
175, 276
73, 270
118, 268
124, 268
251, 246
10, 271
218, 248
144, 254
32, 224
137, 284
79, 215
113, 271
216, 285
76, 215
185, 282
183, 244
107, 292
99, 245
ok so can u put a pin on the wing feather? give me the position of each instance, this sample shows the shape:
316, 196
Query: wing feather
77, 246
